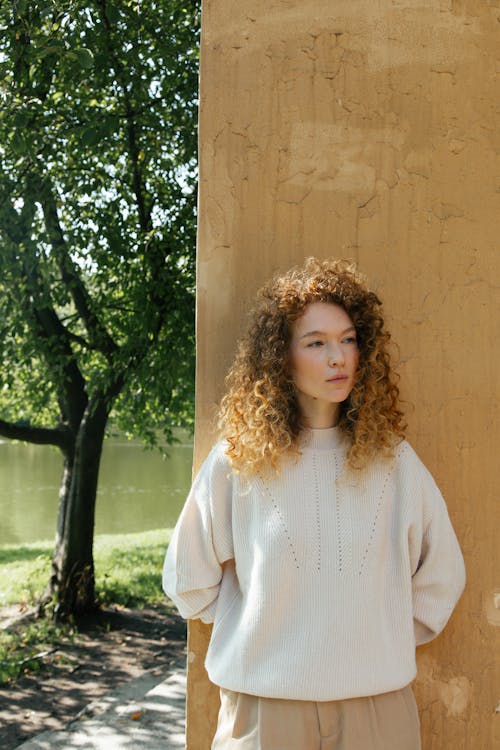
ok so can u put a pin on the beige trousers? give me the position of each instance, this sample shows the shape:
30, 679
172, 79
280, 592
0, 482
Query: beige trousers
388, 721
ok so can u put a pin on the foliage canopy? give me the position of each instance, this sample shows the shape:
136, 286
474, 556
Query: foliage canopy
98, 106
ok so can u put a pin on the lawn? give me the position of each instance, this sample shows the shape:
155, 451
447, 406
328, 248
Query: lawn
128, 573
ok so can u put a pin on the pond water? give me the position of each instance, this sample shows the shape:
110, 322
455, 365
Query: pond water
138, 490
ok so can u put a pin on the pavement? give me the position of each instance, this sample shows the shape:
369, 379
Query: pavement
145, 714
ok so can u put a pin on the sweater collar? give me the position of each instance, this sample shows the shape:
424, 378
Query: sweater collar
327, 439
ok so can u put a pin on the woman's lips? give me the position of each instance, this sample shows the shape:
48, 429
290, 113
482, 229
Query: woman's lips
336, 378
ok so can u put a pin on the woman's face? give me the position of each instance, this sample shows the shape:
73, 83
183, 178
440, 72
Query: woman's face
324, 357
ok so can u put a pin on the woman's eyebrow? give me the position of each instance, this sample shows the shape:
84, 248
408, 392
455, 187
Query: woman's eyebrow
322, 333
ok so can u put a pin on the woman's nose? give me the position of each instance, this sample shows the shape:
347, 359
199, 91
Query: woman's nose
335, 357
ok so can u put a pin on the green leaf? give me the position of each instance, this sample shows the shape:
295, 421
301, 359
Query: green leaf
52, 49
84, 57
47, 12
20, 7
18, 143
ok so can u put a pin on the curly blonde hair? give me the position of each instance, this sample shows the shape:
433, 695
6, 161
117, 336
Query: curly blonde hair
259, 415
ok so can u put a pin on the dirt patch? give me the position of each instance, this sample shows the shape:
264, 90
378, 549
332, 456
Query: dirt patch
112, 647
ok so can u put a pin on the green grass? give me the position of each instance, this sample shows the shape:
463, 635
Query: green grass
24, 572
128, 573
24, 649
128, 568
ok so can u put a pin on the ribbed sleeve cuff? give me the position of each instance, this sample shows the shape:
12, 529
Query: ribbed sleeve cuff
198, 604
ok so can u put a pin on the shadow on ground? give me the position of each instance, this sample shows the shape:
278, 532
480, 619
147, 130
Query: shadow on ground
112, 647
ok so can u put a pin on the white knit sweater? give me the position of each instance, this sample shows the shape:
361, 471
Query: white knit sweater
331, 579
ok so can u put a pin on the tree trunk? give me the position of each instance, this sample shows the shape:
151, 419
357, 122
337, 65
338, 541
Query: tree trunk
72, 581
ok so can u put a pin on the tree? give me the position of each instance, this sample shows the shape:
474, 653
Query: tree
97, 239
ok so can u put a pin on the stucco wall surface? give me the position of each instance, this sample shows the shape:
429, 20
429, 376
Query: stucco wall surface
371, 130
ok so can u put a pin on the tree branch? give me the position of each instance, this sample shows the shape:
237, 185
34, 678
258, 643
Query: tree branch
137, 184
45, 322
99, 336
58, 436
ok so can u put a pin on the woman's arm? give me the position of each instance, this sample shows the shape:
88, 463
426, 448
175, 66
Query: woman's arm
201, 541
439, 579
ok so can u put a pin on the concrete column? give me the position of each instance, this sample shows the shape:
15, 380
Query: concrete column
370, 130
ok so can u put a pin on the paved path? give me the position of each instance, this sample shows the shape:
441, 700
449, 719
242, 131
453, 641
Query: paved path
145, 714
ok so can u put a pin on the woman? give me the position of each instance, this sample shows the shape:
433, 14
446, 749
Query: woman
313, 537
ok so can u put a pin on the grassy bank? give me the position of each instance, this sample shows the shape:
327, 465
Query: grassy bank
128, 573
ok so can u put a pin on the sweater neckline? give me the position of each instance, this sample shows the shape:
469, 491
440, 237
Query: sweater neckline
321, 439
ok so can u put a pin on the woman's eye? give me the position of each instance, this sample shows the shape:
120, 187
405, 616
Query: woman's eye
350, 340
315, 343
